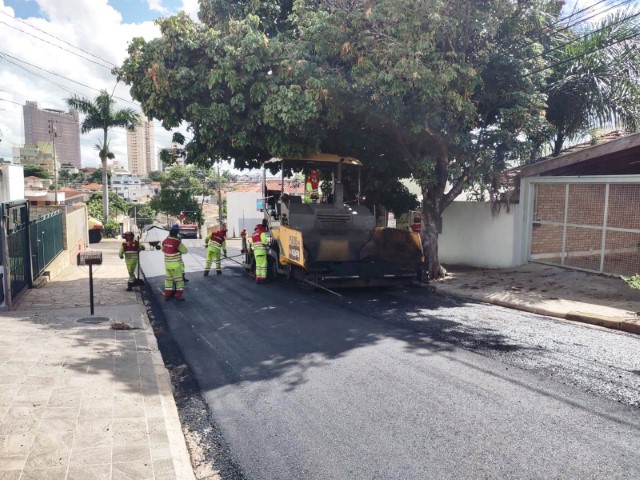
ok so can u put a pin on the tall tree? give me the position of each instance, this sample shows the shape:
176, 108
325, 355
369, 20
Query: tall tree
177, 193
594, 79
101, 114
443, 90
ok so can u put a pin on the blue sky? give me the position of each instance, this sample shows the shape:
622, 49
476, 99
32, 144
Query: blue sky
132, 11
60, 48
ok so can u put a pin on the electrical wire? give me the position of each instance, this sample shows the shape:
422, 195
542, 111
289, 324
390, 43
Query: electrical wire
57, 38
57, 46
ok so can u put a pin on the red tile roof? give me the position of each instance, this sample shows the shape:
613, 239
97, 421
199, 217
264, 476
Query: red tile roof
290, 186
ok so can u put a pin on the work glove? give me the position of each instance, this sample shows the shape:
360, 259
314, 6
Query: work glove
121, 256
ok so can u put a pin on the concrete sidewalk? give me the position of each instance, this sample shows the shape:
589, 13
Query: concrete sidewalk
548, 290
79, 400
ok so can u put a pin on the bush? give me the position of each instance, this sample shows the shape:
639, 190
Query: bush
633, 282
111, 228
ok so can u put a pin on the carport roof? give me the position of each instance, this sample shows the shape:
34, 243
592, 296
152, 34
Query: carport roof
619, 154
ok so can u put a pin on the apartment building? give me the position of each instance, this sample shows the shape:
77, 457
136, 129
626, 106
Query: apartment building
38, 126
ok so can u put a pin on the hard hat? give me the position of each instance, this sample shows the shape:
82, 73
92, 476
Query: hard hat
174, 229
128, 235
313, 171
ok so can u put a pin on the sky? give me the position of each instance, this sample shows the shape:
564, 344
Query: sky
53, 49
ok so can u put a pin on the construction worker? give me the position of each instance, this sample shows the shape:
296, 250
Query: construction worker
130, 251
258, 242
415, 226
173, 249
215, 242
311, 187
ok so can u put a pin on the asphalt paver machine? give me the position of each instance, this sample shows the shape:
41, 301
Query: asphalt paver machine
332, 240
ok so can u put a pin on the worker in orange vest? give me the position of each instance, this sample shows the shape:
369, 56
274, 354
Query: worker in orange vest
173, 249
417, 223
215, 242
259, 242
130, 251
311, 187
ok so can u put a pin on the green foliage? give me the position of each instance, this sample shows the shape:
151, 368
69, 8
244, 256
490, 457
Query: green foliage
443, 91
101, 114
178, 187
633, 281
144, 214
593, 80
155, 176
116, 204
96, 177
111, 228
35, 171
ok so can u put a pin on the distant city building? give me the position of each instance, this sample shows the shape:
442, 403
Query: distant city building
116, 166
37, 128
141, 148
40, 154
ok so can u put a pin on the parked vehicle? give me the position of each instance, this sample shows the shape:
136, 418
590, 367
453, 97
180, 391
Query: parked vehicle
96, 229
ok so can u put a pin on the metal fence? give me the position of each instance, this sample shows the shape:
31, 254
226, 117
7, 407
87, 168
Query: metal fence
19, 262
45, 234
587, 224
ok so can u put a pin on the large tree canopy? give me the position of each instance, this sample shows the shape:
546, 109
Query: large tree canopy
445, 91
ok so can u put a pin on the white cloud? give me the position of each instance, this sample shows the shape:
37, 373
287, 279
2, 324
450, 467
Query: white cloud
156, 6
96, 28
191, 8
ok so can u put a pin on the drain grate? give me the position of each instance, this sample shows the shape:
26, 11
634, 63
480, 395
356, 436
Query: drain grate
93, 320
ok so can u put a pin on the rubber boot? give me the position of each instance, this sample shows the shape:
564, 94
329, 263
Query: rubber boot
218, 272
179, 296
168, 294
129, 286
206, 273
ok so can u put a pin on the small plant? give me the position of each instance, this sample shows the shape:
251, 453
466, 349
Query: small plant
111, 228
633, 281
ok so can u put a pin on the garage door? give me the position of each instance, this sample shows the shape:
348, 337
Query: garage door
587, 225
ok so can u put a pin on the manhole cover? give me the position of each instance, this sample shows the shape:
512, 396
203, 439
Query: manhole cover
93, 320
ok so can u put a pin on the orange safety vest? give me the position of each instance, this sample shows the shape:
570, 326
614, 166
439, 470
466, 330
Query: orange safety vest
131, 249
256, 240
171, 249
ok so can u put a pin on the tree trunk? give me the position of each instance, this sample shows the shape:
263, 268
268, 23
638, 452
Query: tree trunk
105, 180
429, 231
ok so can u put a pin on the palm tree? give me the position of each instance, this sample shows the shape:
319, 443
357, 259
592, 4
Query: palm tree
101, 114
594, 80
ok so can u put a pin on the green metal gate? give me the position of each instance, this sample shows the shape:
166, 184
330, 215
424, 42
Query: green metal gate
46, 241
19, 261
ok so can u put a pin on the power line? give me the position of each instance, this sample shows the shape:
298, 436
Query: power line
583, 54
53, 44
6, 54
585, 19
58, 38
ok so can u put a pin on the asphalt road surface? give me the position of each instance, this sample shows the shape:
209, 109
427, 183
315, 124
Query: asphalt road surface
402, 384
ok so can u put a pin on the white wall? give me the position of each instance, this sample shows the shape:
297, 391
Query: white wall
11, 183
472, 236
242, 212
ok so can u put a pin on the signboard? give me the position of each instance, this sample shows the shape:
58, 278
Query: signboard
260, 204
291, 246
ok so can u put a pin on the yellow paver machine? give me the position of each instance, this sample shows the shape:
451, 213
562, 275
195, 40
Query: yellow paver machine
325, 236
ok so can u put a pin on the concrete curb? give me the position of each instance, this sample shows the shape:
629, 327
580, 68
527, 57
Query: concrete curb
589, 318
177, 443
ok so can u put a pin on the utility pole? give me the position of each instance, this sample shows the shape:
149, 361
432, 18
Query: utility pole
53, 134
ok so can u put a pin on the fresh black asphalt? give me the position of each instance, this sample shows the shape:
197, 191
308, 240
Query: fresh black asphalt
401, 384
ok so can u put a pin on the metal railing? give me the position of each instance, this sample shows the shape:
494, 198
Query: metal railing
46, 241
